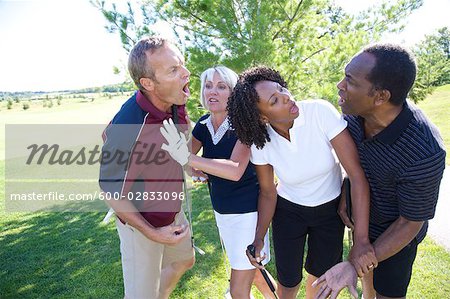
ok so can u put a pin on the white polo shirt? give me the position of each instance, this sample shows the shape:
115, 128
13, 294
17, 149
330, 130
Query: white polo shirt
307, 168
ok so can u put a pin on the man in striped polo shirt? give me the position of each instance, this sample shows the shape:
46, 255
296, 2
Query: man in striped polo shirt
403, 157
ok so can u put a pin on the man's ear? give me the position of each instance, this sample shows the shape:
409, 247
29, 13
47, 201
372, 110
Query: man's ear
383, 96
147, 83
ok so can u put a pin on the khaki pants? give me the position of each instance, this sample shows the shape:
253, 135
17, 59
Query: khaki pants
143, 259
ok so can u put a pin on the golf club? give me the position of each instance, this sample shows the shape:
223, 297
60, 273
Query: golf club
348, 201
252, 249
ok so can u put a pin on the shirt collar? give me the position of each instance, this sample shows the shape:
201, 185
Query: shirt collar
217, 136
393, 131
148, 106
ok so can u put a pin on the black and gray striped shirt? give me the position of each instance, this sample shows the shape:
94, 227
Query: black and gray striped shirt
404, 165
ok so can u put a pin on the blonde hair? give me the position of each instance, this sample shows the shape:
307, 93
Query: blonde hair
227, 75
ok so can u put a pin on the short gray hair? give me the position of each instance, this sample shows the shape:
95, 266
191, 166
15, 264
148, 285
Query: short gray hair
227, 75
137, 60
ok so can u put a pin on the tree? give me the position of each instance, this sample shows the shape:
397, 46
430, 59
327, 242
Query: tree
308, 41
433, 63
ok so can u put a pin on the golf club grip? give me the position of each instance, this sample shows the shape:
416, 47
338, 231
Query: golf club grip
251, 249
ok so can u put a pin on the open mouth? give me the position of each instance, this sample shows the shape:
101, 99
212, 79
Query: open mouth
186, 90
341, 99
294, 108
213, 100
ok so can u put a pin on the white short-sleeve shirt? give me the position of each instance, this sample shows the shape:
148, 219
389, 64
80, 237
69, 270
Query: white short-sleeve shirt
307, 168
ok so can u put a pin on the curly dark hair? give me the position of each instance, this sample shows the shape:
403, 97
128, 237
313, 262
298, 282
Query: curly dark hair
243, 113
394, 70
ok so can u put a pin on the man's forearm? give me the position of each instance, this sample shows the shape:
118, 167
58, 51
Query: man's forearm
396, 237
361, 204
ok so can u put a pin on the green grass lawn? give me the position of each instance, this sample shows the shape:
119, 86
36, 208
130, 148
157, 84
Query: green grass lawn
437, 107
67, 255
71, 111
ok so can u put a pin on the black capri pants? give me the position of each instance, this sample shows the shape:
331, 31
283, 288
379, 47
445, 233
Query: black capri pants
291, 225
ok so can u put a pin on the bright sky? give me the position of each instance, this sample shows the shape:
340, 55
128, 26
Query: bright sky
62, 44
432, 15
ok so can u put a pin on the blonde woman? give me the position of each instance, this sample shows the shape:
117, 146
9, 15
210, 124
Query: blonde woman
232, 180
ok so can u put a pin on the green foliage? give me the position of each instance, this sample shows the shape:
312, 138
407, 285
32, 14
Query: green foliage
308, 41
124, 23
21, 94
433, 63
26, 106
9, 104
47, 103
124, 86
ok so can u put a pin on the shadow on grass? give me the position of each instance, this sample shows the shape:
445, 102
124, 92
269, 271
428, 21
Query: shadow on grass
61, 255
67, 255
208, 278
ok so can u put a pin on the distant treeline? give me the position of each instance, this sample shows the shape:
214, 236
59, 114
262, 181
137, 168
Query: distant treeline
121, 87
4, 95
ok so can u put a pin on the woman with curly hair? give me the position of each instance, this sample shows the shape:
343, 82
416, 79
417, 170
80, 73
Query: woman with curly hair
295, 141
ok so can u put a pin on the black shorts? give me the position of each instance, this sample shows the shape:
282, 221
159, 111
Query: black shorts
290, 226
392, 276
